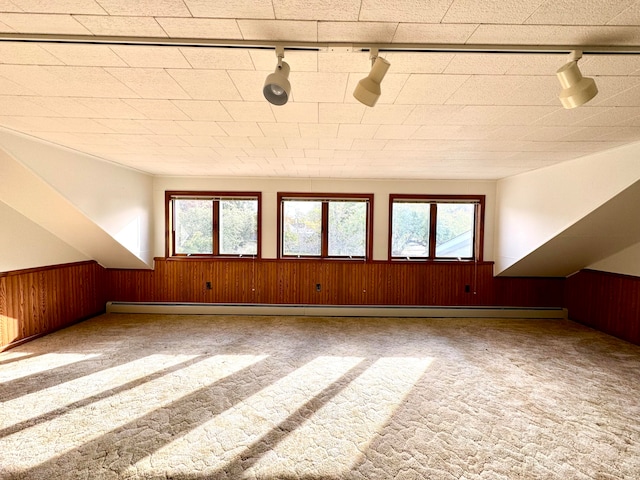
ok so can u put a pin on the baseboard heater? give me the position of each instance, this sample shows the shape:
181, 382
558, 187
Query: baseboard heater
334, 310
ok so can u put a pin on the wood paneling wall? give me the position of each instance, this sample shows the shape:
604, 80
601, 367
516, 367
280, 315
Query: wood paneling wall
41, 300
607, 302
341, 283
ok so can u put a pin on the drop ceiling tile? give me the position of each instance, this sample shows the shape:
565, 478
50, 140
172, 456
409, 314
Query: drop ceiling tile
43, 23
412, 145
24, 106
347, 62
353, 131
574, 116
318, 87
513, 115
629, 16
249, 111
317, 9
554, 35
430, 89
279, 30
366, 145
26, 54
550, 134
200, 28
537, 64
302, 143
619, 134
121, 26
89, 7
280, 129
203, 110
404, 11
158, 109
289, 153
84, 55
118, 125
202, 128
206, 84
168, 140
386, 114
268, 142
70, 125
151, 56
402, 62
202, 141
163, 127
249, 84
105, 108
231, 9
260, 153
233, 145
433, 33
196, 152
149, 82
490, 11
357, 32
318, 130
146, 8
389, 132
453, 132
8, 6
480, 64
617, 91
296, 112
241, 129
432, 114
220, 58
340, 112
598, 65
578, 12
298, 60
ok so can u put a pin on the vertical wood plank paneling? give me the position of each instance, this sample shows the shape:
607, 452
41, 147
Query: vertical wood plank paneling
37, 301
605, 301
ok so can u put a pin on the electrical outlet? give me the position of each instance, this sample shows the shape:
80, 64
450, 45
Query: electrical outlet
318, 287
208, 285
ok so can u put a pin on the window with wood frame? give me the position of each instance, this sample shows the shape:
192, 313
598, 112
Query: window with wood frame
325, 225
213, 224
436, 227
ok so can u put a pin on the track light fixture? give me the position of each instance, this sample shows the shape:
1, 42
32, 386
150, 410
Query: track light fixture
277, 87
368, 89
576, 89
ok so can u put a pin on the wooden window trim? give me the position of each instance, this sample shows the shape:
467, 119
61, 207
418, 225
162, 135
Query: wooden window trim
198, 194
325, 220
478, 234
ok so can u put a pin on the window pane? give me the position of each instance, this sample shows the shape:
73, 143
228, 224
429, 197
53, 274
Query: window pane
302, 227
347, 229
454, 231
238, 227
193, 226
410, 230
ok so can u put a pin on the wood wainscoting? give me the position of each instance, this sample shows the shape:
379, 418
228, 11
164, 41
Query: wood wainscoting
608, 302
37, 301
330, 282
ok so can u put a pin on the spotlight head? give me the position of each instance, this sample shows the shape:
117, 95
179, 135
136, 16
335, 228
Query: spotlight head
277, 87
368, 89
576, 89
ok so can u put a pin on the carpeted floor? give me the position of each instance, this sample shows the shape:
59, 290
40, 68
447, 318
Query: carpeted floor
199, 397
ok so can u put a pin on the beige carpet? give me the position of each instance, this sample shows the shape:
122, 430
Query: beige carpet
198, 397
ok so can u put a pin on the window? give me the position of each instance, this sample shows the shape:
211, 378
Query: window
436, 227
213, 224
324, 225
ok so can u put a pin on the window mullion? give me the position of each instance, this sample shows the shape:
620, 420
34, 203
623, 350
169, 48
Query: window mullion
324, 243
215, 205
433, 226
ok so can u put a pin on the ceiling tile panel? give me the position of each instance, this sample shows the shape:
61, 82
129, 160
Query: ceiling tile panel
24, 106
491, 11
201, 141
104, 108
578, 12
386, 114
43, 23
285, 130
146, 8
249, 84
203, 110
433, 115
318, 87
202, 128
69, 107
249, 111
218, 58
268, 142
121, 26
430, 89
163, 127
346, 10
158, 109
555, 35
279, 30
317, 130
26, 54
151, 57
84, 55
130, 127
200, 28
206, 84
340, 112
296, 112
389, 132
353, 131
418, 62
149, 82
298, 60
89, 7
357, 32
241, 129
433, 33
418, 11
231, 8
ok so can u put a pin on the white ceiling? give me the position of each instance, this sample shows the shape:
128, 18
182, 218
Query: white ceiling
171, 110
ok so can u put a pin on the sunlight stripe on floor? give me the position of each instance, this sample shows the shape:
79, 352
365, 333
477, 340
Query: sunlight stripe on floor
43, 401
228, 435
42, 363
97, 419
336, 437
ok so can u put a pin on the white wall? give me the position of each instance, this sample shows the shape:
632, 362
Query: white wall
270, 188
119, 200
535, 207
23, 244
625, 262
